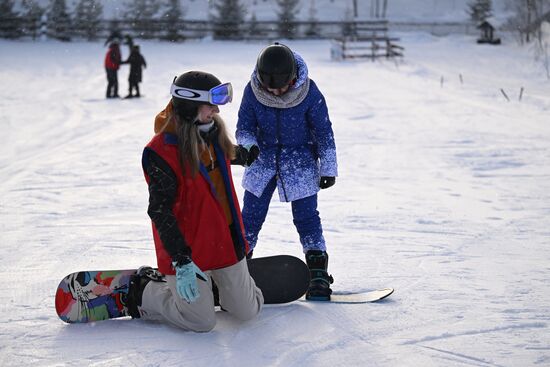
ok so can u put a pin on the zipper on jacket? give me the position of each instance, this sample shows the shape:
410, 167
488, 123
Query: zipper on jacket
278, 155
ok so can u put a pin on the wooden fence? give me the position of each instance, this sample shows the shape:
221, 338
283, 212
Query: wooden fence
371, 40
183, 29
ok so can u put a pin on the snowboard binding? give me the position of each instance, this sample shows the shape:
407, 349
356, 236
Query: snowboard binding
138, 282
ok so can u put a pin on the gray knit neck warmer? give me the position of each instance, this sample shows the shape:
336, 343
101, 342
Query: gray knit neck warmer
293, 97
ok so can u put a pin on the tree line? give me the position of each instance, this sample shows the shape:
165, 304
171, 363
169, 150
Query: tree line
167, 19
163, 19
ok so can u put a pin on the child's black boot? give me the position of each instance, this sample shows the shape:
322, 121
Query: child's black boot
319, 285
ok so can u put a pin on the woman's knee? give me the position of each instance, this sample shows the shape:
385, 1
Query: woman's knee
250, 311
197, 323
205, 325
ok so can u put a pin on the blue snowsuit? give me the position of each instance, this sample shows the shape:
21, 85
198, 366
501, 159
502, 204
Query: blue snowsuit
296, 148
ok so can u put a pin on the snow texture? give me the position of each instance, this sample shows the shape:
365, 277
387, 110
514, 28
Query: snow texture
443, 193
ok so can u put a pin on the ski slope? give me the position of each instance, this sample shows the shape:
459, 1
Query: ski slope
443, 194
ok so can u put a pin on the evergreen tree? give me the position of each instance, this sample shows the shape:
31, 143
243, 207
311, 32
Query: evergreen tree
254, 28
348, 26
59, 21
140, 14
480, 10
230, 16
313, 27
88, 18
287, 17
30, 17
9, 20
173, 21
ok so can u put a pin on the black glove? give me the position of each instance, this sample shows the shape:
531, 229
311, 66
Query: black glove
253, 154
245, 157
326, 182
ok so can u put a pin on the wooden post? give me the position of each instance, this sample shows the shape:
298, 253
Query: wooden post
504, 94
520, 94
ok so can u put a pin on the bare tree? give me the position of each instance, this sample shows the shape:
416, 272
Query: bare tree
530, 20
527, 18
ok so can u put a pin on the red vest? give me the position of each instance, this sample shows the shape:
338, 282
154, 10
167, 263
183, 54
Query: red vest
200, 216
111, 62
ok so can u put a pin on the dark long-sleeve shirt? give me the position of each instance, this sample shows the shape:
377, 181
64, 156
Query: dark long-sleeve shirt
162, 193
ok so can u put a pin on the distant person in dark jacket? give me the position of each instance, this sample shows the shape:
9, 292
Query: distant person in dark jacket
136, 62
112, 63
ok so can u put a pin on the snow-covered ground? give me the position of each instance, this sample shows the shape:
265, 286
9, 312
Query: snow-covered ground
444, 194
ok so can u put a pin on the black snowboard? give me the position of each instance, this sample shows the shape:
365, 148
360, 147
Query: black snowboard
282, 278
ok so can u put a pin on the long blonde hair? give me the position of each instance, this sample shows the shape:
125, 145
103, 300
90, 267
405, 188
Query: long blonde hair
191, 144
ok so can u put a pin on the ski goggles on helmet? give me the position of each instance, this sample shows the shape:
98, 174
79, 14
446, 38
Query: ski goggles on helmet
219, 95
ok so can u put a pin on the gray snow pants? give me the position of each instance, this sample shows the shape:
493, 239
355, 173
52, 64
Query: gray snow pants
239, 296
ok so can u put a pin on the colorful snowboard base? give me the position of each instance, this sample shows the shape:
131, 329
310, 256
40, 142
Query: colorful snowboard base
89, 296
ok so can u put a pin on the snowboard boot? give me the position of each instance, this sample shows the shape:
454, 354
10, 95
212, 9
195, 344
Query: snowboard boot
319, 284
138, 282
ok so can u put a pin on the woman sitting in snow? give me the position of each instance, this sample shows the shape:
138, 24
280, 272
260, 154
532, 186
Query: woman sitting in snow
197, 224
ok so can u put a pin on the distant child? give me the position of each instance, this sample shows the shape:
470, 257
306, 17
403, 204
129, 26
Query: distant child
136, 62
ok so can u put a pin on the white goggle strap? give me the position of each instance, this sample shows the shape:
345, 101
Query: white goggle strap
190, 94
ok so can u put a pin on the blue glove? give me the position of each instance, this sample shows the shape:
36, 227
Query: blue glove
186, 281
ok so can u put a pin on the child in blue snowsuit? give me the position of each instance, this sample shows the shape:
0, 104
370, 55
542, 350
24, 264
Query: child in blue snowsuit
284, 116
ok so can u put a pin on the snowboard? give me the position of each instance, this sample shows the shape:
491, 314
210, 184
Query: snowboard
359, 297
88, 296
282, 278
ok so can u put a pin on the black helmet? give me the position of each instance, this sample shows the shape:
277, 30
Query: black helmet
276, 66
199, 80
